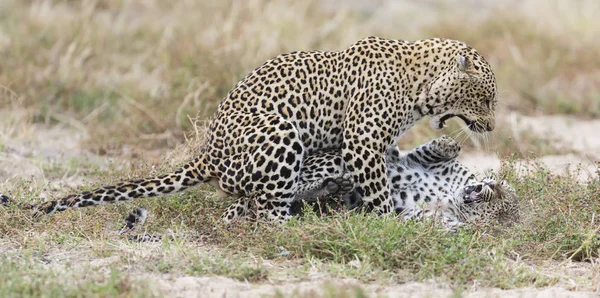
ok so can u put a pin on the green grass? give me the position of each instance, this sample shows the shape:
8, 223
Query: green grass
560, 223
25, 278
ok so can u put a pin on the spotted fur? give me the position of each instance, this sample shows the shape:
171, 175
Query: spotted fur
429, 181
358, 100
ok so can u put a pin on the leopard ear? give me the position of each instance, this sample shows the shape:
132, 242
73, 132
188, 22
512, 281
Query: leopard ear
465, 65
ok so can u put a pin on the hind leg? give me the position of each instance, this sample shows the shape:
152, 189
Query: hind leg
237, 210
273, 172
268, 157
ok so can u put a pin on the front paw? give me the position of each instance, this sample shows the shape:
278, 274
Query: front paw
445, 146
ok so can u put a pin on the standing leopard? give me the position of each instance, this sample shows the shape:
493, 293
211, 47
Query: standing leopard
428, 181
359, 100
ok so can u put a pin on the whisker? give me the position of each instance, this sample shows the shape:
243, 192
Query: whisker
455, 133
458, 137
486, 142
465, 132
482, 138
474, 139
461, 133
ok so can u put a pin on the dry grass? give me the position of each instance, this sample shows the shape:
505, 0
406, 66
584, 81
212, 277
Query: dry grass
131, 74
139, 69
560, 223
545, 54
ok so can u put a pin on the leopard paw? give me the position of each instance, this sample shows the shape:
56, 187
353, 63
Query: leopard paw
339, 185
445, 146
135, 218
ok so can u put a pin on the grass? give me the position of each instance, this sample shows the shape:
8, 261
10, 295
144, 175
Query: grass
139, 69
538, 68
560, 223
24, 278
328, 290
129, 75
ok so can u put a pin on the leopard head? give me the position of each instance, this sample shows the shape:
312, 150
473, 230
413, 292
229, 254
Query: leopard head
489, 200
464, 88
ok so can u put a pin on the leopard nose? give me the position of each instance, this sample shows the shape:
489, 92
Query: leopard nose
490, 126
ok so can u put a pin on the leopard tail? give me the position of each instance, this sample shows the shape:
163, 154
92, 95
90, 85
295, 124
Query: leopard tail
187, 176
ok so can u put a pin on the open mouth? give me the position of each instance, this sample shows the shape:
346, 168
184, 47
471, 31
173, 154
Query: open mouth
471, 192
468, 122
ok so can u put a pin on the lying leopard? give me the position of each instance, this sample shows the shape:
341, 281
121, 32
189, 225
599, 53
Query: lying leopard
359, 100
428, 181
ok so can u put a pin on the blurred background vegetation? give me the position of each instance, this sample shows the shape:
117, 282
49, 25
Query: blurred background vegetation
134, 72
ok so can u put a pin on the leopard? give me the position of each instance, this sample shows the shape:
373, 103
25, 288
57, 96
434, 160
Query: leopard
359, 100
427, 182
